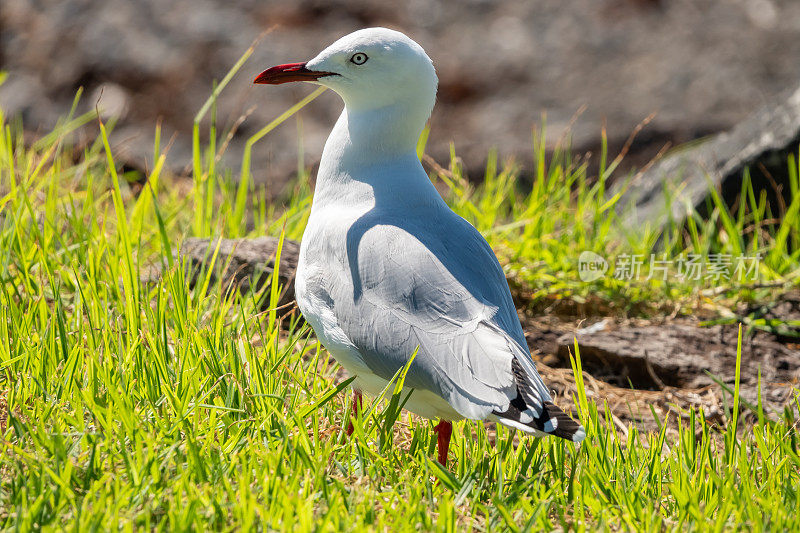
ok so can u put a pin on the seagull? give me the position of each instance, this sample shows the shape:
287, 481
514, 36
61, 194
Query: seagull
387, 270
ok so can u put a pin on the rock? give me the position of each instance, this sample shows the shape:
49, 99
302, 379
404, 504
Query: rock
761, 143
243, 263
679, 355
113, 101
702, 67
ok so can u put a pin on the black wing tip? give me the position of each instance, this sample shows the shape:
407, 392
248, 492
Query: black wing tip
564, 426
551, 421
529, 413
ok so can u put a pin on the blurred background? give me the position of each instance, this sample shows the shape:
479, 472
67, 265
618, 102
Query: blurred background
700, 65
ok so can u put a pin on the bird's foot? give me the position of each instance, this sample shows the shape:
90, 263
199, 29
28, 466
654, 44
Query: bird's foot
443, 432
354, 413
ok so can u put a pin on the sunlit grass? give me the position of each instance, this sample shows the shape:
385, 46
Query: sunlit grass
540, 229
132, 405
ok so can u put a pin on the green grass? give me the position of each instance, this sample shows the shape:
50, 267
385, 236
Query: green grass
540, 229
131, 405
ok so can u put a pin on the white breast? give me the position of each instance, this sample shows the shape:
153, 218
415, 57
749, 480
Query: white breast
322, 261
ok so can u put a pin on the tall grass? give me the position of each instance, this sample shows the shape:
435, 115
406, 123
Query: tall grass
128, 405
540, 229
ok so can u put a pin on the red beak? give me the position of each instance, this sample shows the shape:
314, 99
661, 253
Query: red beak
289, 72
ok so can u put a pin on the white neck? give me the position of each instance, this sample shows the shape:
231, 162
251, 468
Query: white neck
379, 133
372, 153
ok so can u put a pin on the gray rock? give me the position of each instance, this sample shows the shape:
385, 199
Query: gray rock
243, 264
761, 143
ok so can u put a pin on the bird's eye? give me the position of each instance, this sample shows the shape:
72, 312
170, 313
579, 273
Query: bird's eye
359, 58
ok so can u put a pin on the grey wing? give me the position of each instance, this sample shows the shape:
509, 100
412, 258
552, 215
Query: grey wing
449, 297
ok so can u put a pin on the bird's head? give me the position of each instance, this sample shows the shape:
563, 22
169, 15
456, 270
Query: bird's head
370, 69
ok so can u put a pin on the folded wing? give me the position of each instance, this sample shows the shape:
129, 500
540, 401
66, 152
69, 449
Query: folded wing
449, 298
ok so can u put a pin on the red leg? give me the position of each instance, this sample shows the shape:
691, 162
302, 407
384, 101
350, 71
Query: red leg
443, 431
356, 409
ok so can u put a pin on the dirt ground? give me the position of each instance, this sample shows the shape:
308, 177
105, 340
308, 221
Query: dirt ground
651, 372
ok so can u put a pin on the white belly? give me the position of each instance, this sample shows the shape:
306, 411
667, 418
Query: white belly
422, 402
318, 310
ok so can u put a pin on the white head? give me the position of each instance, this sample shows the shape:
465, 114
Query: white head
371, 69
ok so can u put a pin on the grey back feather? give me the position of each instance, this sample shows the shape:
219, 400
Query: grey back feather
438, 286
